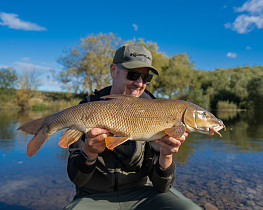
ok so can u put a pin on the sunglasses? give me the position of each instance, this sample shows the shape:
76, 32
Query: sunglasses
135, 75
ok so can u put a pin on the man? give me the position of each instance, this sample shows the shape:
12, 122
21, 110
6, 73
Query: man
136, 174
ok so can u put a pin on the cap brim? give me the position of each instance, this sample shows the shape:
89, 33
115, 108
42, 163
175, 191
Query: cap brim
139, 64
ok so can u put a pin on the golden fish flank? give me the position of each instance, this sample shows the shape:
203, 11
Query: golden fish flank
127, 117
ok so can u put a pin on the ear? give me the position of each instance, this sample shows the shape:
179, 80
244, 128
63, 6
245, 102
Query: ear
113, 70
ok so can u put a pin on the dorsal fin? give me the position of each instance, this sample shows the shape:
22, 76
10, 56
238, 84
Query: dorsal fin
118, 96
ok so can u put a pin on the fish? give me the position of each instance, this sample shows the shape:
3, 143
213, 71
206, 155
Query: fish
126, 118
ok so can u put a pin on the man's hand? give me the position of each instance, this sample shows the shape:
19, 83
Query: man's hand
168, 146
95, 142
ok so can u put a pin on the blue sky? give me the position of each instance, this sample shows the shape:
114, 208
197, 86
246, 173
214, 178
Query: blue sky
213, 33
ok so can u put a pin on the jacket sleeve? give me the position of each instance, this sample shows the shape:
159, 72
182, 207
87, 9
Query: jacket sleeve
161, 179
78, 172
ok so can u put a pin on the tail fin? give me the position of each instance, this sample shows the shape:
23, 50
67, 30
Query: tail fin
32, 127
41, 135
37, 142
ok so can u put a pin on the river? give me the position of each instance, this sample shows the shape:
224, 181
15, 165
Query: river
224, 172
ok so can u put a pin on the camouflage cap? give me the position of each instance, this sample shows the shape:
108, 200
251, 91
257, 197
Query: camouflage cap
134, 56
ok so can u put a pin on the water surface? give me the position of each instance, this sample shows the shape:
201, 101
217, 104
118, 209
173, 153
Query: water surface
226, 172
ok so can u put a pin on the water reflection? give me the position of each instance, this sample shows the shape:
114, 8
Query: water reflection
7, 129
244, 133
210, 168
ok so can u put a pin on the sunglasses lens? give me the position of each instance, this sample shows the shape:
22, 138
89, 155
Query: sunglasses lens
147, 78
133, 76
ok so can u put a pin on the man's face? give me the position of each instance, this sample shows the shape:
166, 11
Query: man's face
121, 85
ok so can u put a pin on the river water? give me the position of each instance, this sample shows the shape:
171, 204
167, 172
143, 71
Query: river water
225, 172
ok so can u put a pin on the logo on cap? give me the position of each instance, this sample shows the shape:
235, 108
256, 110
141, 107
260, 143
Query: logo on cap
135, 55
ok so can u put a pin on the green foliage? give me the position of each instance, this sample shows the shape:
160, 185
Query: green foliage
226, 105
255, 92
8, 78
196, 96
8, 99
39, 106
23, 98
86, 67
175, 77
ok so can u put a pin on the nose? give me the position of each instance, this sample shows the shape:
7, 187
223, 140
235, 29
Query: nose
139, 82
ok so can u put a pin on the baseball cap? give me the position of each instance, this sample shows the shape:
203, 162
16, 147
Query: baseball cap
134, 56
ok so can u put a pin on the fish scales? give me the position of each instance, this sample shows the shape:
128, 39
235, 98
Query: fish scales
131, 119
127, 117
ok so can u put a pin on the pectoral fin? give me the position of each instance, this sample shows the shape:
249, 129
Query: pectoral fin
113, 141
69, 137
176, 131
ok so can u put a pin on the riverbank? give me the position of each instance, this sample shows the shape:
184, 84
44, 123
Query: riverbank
39, 100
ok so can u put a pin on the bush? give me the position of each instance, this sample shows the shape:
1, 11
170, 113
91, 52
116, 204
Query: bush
226, 105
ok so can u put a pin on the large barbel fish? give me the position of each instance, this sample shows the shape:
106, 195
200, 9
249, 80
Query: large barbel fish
127, 117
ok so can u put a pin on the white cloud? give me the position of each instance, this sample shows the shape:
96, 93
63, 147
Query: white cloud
231, 55
29, 66
245, 23
25, 59
135, 27
248, 48
251, 6
12, 21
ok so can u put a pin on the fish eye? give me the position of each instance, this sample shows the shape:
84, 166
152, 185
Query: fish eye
204, 113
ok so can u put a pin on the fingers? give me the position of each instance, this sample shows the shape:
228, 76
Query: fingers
170, 145
167, 148
183, 137
96, 131
95, 141
171, 141
96, 135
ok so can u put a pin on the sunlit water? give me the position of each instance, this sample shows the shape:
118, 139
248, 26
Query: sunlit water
226, 172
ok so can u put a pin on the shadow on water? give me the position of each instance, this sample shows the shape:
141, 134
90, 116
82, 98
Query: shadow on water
225, 172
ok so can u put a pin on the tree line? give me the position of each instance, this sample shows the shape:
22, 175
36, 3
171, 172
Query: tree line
86, 68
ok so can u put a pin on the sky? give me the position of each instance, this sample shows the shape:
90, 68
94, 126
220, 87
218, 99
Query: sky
213, 34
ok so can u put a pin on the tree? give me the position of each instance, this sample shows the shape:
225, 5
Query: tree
175, 77
255, 92
29, 80
28, 83
8, 78
86, 66
196, 92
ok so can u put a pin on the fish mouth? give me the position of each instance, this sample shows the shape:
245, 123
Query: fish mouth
216, 129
